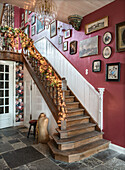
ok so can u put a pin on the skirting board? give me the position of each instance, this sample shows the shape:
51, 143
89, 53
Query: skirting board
117, 148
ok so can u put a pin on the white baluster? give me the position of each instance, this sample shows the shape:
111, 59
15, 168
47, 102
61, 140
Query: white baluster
101, 92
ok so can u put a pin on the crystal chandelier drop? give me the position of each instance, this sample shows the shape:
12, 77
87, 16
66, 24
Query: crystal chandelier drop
45, 11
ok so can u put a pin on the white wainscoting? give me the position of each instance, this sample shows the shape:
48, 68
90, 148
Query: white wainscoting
83, 90
35, 104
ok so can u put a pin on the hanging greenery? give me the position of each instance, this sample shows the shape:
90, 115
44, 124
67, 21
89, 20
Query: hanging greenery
12, 35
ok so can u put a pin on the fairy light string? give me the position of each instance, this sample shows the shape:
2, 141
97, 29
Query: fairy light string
13, 36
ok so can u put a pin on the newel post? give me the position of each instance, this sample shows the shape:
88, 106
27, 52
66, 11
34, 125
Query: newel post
101, 93
64, 88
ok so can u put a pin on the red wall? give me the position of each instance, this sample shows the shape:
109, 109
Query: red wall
114, 97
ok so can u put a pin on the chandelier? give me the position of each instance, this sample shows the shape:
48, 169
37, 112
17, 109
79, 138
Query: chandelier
45, 11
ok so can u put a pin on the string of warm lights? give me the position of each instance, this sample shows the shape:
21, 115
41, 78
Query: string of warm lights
45, 69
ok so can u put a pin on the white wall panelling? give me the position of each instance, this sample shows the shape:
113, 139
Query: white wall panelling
83, 90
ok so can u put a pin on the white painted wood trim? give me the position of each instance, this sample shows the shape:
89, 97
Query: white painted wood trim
14, 93
117, 148
101, 93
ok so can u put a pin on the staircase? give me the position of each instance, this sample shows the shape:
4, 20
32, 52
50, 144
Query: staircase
81, 138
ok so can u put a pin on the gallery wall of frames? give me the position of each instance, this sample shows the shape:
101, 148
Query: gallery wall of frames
99, 47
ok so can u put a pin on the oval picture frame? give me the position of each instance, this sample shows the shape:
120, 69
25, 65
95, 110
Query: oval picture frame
107, 38
107, 51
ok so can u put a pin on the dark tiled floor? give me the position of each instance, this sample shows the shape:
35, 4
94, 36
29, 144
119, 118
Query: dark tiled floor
17, 152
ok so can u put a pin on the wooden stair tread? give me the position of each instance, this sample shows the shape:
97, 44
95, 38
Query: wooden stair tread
79, 117
72, 103
76, 127
76, 138
78, 150
75, 110
69, 97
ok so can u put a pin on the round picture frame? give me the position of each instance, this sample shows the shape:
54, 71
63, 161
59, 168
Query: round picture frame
107, 38
107, 51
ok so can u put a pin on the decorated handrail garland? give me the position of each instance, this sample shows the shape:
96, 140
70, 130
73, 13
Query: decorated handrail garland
13, 36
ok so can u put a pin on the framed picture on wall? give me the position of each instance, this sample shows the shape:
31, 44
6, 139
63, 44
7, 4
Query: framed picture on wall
26, 16
113, 72
22, 17
88, 47
65, 46
96, 25
33, 19
33, 30
40, 26
120, 36
107, 38
60, 39
67, 33
26, 30
107, 51
22, 24
96, 66
73, 47
53, 29
30, 12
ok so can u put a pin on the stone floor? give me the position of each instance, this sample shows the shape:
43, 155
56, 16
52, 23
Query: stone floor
17, 152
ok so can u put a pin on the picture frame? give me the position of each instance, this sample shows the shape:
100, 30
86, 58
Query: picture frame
22, 24
30, 12
40, 26
65, 46
22, 16
120, 36
33, 30
60, 39
107, 51
107, 38
53, 29
113, 71
26, 30
67, 33
88, 47
96, 25
73, 47
96, 66
33, 19
26, 16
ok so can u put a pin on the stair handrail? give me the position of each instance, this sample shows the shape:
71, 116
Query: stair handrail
11, 38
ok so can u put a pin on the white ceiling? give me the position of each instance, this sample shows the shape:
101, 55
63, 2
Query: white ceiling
64, 7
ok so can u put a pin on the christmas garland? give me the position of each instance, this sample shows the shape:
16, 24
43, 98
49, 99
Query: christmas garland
13, 36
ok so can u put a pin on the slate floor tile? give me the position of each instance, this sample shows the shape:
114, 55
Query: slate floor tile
43, 164
91, 162
22, 156
115, 164
72, 166
42, 148
106, 155
102, 167
5, 147
19, 145
10, 133
121, 156
14, 141
3, 164
24, 134
28, 141
23, 167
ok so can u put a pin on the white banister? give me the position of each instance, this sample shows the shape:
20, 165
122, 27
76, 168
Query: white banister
101, 93
82, 89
